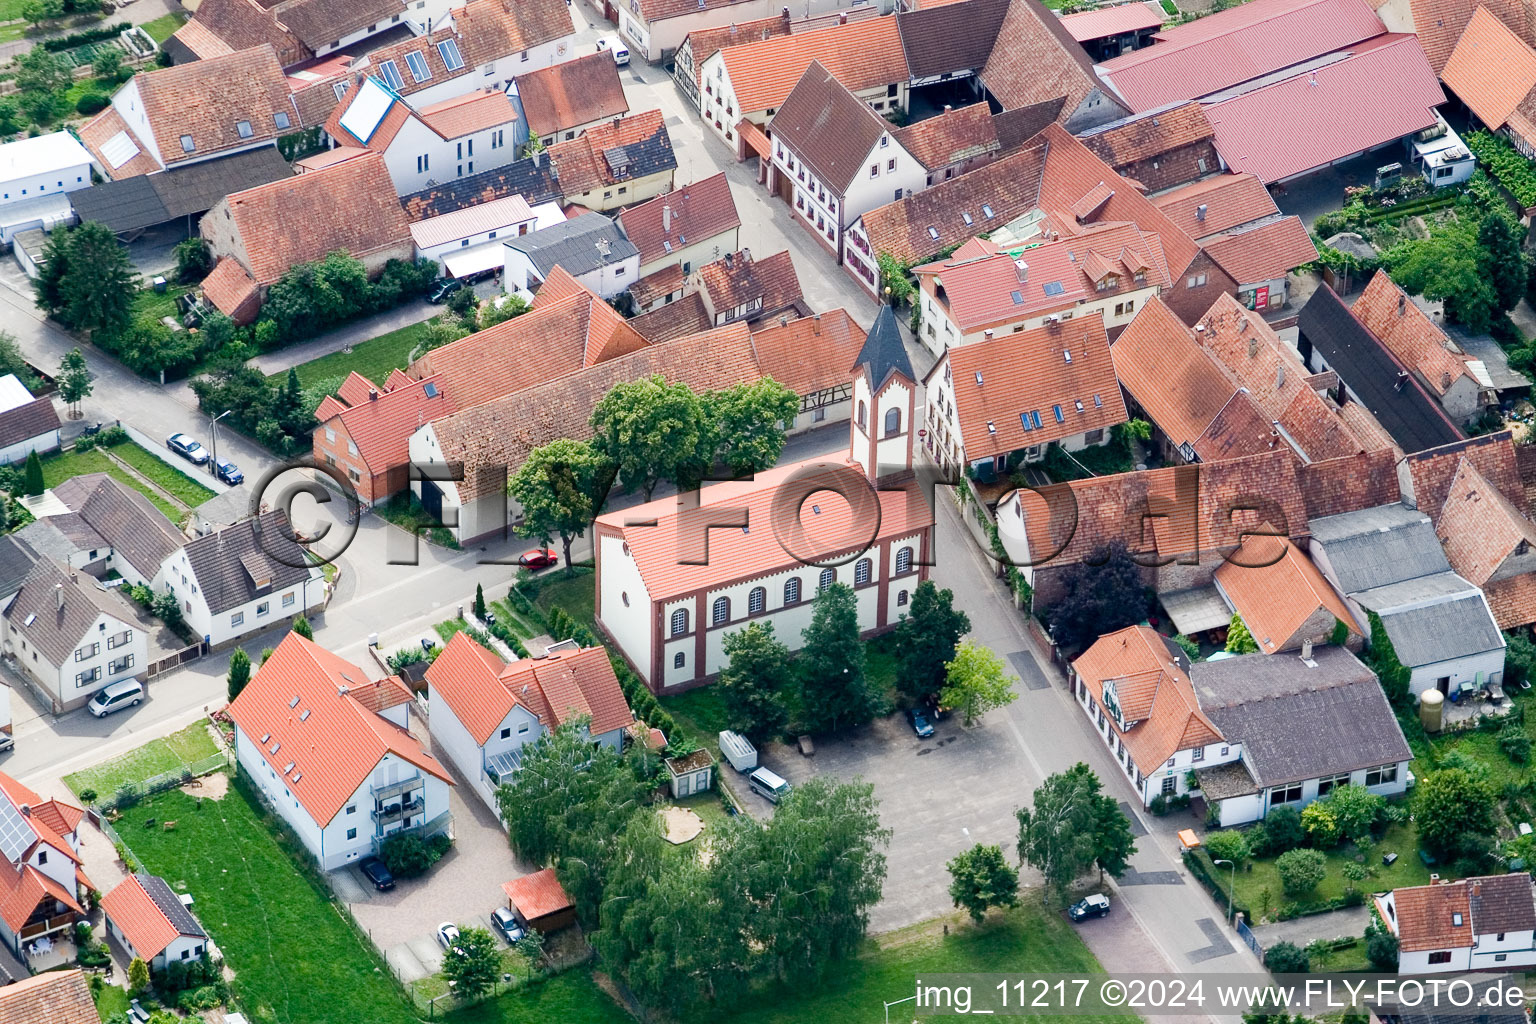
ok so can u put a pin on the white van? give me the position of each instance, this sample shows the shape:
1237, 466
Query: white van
768, 785
116, 697
615, 46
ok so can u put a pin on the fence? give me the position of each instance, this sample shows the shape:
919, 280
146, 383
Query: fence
1247, 936
178, 659
136, 791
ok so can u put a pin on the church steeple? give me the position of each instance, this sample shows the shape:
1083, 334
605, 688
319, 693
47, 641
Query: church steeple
884, 400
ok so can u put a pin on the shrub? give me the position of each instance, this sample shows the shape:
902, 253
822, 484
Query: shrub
194, 260
1515, 743
1381, 946
1321, 824
1301, 870
92, 103
1503, 162
1287, 958
87, 796
1159, 805
1232, 846
403, 657
1282, 831
409, 855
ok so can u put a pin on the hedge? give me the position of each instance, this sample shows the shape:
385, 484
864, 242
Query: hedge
1218, 891
90, 35
1502, 161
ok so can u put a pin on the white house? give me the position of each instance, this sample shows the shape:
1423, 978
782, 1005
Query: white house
685, 228
469, 241
27, 424
837, 175
484, 711
1257, 731
1485, 923
36, 176
99, 526
41, 881
591, 248
862, 523
148, 919
244, 579
332, 754
72, 636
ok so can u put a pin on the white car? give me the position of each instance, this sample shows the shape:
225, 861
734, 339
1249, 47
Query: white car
614, 46
447, 934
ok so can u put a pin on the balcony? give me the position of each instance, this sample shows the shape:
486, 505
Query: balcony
396, 812
381, 794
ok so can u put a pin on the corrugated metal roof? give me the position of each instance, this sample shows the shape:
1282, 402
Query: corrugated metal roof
1112, 21
472, 220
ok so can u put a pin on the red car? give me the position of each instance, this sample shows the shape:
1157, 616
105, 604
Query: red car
539, 558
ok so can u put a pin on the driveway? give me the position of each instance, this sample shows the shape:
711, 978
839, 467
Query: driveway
464, 887
1337, 924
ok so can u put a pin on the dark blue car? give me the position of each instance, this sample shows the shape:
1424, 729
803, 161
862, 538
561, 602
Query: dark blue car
228, 472
920, 724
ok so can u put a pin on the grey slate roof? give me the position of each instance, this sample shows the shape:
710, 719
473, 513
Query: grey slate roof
534, 180
133, 204
170, 905
1457, 623
136, 530
575, 245
1377, 546
61, 537
1297, 721
1502, 903
228, 563
16, 561
56, 631
25, 422
884, 352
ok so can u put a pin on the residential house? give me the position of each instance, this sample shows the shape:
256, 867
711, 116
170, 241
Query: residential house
299, 30
244, 579
678, 231
1492, 69
1458, 382
72, 636
836, 175
540, 902
532, 178
56, 997
1052, 185
591, 248
668, 612
1107, 32
739, 287
105, 527
27, 424
1234, 218
1282, 597
36, 176
997, 405
173, 117
1162, 148
349, 206
621, 163
810, 356
468, 242
1036, 60
701, 44
750, 81
949, 42
1256, 732
1370, 375
563, 100
364, 429
423, 145
656, 30
332, 754
983, 290
148, 919
952, 142
486, 711
42, 885
1388, 563
1482, 923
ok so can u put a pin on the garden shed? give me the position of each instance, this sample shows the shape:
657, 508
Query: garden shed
540, 902
691, 773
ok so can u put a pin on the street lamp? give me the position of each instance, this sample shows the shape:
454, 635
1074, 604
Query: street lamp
1233, 889
213, 429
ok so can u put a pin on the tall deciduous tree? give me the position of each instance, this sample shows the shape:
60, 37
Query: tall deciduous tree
925, 641
1502, 261
748, 421
1448, 265
1099, 598
756, 684
473, 963
1059, 833
1239, 638
1113, 843
74, 379
976, 682
239, 673
652, 431
1452, 807
981, 878
561, 487
834, 693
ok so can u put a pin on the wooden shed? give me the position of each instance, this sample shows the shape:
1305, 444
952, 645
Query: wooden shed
691, 773
540, 902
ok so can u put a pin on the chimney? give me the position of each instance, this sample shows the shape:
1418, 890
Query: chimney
1200, 212
1306, 650
373, 394
1022, 269
783, 321
1253, 347
58, 596
26, 810
1402, 304
842, 19
729, 261
987, 334
948, 108
1445, 381
535, 155
666, 219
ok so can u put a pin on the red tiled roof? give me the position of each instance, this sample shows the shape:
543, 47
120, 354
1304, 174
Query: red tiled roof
1479, 527
481, 690
673, 320
57, 997
1409, 333
666, 281
1228, 200
1035, 59
102, 129
1512, 600
22, 889
51, 821
537, 895
223, 26
803, 124
1491, 69
1262, 253
208, 100
394, 119
736, 279
861, 55
350, 206
829, 527
383, 694
1237, 45
572, 93
427, 47
581, 164
335, 747
706, 42
953, 136
809, 354
232, 291
381, 427
489, 30
1063, 367
473, 112
1493, 455
694, 212
1087, 26
1440, 23
138, 917
1149, 135
1364, 480
1329, 119
1275, 588
1426, 917
320, 161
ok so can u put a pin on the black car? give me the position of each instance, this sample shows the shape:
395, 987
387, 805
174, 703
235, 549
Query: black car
228, 472
1096, 905
920, 724
444, 288
374, 870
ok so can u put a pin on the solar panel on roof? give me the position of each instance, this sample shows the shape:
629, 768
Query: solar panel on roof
15, 834
366, 111
448, 49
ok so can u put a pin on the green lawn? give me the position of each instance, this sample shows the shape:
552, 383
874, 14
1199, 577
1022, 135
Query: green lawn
576, 594
373, 358
164, 26
1339, 961
521, 626
699, 713
1026, 939
450, 627
111, 1000
58, 468
880, 664
571, 997
159, 304
167, 477
191, 744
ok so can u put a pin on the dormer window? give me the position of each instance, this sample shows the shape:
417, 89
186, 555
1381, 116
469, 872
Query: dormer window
244, 129
187, 145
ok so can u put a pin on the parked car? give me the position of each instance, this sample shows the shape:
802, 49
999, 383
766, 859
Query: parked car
374, 870
1096, 905
116, 697
7, 742
920, 723
504, 921
447, 935
444, 288
768, 785
538, 558
228, 472
187, 448
614, 46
